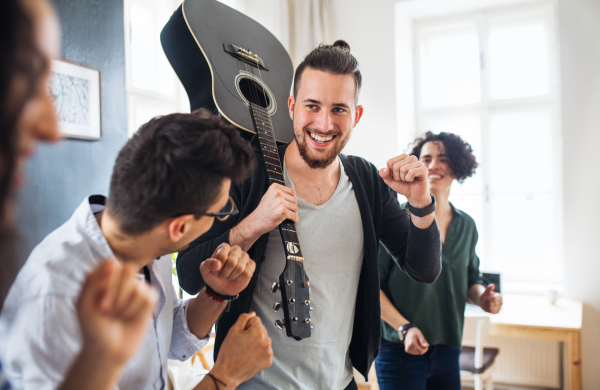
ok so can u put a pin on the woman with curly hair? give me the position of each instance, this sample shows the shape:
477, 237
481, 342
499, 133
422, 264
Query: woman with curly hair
29, 38
423, 323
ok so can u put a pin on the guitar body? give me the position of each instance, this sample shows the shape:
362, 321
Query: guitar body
232, 65
193, 42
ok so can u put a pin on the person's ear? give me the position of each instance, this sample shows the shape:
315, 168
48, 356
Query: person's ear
358, 113
291, 105
178, 227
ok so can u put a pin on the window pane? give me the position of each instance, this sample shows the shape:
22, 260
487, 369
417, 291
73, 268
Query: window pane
523, 238
521, 152
150, 69
473, 205
469, 129
450, 68
519, 61
142, 110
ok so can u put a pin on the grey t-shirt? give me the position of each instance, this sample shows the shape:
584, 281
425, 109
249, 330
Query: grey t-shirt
331, 237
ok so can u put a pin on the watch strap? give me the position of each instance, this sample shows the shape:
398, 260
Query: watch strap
404, 329
421, 212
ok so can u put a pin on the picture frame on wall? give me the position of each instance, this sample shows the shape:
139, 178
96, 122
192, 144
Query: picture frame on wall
76, 93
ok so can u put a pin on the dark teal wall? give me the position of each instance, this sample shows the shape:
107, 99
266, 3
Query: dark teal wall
61, 175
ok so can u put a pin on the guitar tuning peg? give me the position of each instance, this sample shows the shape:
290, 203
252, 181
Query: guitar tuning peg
310, 308
277, 306
311, 327
279, 324
274, 287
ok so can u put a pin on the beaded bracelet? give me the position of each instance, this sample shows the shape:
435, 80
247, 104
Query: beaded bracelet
215, 296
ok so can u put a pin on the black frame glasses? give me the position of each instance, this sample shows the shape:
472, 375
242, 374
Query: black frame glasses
223, 215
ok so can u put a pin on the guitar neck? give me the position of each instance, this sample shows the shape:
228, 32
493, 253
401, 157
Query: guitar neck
268, 146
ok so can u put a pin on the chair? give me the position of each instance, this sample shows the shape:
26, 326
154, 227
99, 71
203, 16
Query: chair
477, 363
201, 354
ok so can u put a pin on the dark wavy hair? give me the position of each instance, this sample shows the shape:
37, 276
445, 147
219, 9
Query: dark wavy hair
459, 152
22, 63
335, 59
175, 165
21, 67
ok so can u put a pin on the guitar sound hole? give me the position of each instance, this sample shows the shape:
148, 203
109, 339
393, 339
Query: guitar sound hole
254, 92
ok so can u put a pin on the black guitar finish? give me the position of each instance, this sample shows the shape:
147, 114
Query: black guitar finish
198, 40
229, 63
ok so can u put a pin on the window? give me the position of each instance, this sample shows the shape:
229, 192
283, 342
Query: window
491, 77
152, 86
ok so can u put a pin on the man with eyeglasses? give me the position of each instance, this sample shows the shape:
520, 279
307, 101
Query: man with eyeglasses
170, 181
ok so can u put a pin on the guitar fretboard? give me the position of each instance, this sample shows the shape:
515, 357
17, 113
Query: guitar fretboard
268, 145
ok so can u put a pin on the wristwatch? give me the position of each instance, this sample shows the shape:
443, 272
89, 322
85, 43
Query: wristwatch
421, 212
403, 330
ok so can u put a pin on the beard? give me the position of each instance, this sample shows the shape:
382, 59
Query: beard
314, 162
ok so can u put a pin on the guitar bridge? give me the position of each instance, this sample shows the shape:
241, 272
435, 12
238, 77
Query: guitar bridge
245, 55
295, 258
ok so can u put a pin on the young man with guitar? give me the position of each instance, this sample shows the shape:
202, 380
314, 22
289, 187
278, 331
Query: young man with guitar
342, 206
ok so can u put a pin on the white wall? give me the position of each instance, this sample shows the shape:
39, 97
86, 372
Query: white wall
579, 29
368, 26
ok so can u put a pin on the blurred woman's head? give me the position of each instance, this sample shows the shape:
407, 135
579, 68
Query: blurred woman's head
30, 38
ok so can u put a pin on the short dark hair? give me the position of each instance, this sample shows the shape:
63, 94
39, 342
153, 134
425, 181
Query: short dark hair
175, 165
459, 152
334, 59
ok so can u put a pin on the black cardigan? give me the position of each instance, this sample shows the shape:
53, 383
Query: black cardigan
416, 251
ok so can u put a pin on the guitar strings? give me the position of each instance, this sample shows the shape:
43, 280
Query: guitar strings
288, 236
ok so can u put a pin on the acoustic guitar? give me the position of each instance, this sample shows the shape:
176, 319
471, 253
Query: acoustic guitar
232, 65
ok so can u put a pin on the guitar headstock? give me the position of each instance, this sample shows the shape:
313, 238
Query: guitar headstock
295, 300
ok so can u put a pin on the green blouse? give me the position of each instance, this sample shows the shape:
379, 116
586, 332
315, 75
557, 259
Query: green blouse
436, 309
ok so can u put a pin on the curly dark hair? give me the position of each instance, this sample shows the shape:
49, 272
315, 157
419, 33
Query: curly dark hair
175, 165
459, 152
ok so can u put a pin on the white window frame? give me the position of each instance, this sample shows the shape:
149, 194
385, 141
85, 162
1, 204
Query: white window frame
135, 95
408, 31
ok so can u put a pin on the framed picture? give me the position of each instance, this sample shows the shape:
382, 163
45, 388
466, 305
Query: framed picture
75, 90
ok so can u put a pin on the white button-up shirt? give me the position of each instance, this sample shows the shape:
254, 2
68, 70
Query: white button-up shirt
39, 332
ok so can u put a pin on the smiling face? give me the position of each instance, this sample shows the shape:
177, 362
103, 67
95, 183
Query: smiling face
433, 155
324, 114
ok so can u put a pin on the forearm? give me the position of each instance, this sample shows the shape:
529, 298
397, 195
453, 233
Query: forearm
423, 222
474, 293
202, 313
389, 313
245, 234
92, 371
423, 253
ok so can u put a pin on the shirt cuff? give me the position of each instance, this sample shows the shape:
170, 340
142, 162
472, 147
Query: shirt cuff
184, 344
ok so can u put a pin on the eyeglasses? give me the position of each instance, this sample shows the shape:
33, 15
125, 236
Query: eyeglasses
229, 209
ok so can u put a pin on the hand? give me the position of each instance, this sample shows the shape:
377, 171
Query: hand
277, 204
229, 270
414, 342
409, 177
114, 310
490, 301
245, 351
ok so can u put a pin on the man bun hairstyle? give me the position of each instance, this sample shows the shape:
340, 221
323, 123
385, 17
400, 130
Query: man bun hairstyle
335, 59
459, 152
175, 165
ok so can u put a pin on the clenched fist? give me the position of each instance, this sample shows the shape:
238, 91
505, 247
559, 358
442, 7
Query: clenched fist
245, 351
408, 176
228, 271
